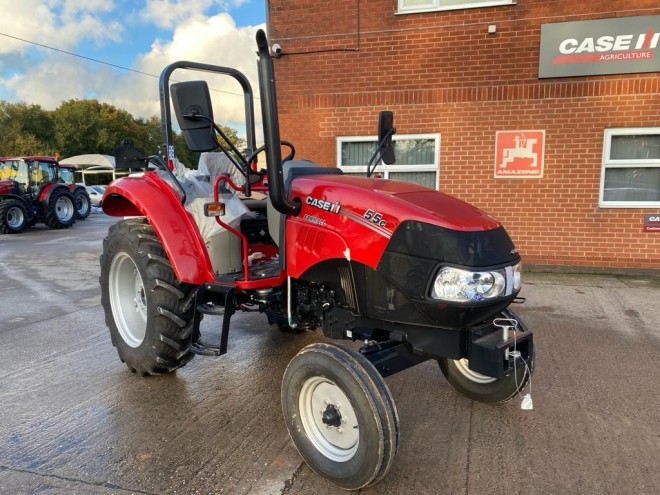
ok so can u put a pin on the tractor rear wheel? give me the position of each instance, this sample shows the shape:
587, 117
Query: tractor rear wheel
148, 311
13, 217
61, 210
83, 204
340, 415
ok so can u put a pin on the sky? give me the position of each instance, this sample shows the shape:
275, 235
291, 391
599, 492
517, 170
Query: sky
141, 35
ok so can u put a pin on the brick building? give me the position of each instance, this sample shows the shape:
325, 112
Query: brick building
567, 95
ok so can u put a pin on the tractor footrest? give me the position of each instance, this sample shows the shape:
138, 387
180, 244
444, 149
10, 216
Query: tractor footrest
204, 349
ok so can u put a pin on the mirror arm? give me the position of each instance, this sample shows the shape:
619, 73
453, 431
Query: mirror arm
378, 151
245, 168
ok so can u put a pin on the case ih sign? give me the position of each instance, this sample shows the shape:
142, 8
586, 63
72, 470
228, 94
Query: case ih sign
652, 223
519, 154
607, 46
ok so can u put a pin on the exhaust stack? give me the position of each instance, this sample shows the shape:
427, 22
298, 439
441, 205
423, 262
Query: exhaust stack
272, 131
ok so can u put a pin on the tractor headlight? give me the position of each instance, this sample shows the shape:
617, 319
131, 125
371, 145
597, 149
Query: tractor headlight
458, 285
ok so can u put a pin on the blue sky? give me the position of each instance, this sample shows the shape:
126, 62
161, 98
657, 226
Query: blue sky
142, 35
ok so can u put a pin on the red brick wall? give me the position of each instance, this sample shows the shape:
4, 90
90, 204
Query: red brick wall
442, 72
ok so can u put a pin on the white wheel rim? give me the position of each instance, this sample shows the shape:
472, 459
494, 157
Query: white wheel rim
338, 444
15, 217
128, 300
462, 366
83, 204
64, 209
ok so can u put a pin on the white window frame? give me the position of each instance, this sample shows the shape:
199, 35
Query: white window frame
608, 163
436, 5
386, 169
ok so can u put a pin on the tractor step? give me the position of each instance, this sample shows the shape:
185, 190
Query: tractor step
204, 349
211, 309
226, 311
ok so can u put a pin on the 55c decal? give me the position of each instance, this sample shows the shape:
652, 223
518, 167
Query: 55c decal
375, 218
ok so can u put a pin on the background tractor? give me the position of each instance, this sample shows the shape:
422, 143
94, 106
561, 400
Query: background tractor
402, 273
79, 191
30, 192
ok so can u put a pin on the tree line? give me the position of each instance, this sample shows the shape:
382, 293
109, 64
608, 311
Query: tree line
83, 126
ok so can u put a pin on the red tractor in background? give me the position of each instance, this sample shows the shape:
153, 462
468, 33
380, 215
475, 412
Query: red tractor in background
406, 273
80, 194
31, 192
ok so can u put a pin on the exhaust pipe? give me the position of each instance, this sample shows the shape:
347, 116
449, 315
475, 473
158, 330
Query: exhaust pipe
272, 131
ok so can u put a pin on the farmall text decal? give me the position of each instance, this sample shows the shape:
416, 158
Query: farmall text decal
605, 46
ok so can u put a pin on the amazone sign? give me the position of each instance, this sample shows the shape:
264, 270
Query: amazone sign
607, 46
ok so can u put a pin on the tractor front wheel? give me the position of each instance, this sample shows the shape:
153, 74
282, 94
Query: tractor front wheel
13, 217
340, 415
61, 210
148, 311
484, 388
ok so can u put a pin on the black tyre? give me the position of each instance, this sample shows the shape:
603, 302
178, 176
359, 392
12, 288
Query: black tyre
13, 217
340, 415
484, 388
148, 311
83, 204
60, 212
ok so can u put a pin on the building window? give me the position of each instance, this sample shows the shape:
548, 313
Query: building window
417, 157
630, 176
412, 6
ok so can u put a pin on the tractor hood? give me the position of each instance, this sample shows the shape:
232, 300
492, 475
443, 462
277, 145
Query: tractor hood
396, 201
361, 218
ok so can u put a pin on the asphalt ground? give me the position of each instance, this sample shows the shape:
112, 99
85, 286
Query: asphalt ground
75, 420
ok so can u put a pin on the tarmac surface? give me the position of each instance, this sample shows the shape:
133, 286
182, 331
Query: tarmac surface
75, 420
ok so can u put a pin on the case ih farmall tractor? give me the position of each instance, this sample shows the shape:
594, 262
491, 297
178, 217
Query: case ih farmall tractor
83, 201
30, 192
404, 273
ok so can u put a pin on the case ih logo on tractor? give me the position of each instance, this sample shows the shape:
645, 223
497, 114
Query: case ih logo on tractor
404, 273
31, 192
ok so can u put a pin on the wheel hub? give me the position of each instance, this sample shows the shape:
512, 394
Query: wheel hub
329, 419
63, 209
331, 416
15, 217
128, 300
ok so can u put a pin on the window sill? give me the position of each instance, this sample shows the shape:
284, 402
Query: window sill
422, 10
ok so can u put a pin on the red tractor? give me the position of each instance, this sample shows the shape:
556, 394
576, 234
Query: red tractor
406, 273
80, 194
30, 192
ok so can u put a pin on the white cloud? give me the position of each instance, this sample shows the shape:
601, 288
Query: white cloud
47, 77
169, 13
215, 40
63, 24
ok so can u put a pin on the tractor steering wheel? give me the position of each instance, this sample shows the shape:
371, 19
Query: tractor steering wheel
262, 148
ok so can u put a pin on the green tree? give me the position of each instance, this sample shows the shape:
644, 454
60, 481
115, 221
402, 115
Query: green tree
25, 129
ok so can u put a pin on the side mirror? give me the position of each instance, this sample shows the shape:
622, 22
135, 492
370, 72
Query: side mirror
194, 113
385, 132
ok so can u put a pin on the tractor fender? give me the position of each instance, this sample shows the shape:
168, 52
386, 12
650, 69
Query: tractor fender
76, 187
17, 197
48, 190
151, 197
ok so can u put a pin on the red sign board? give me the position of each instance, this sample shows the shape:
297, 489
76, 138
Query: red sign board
652, 223
519, 154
